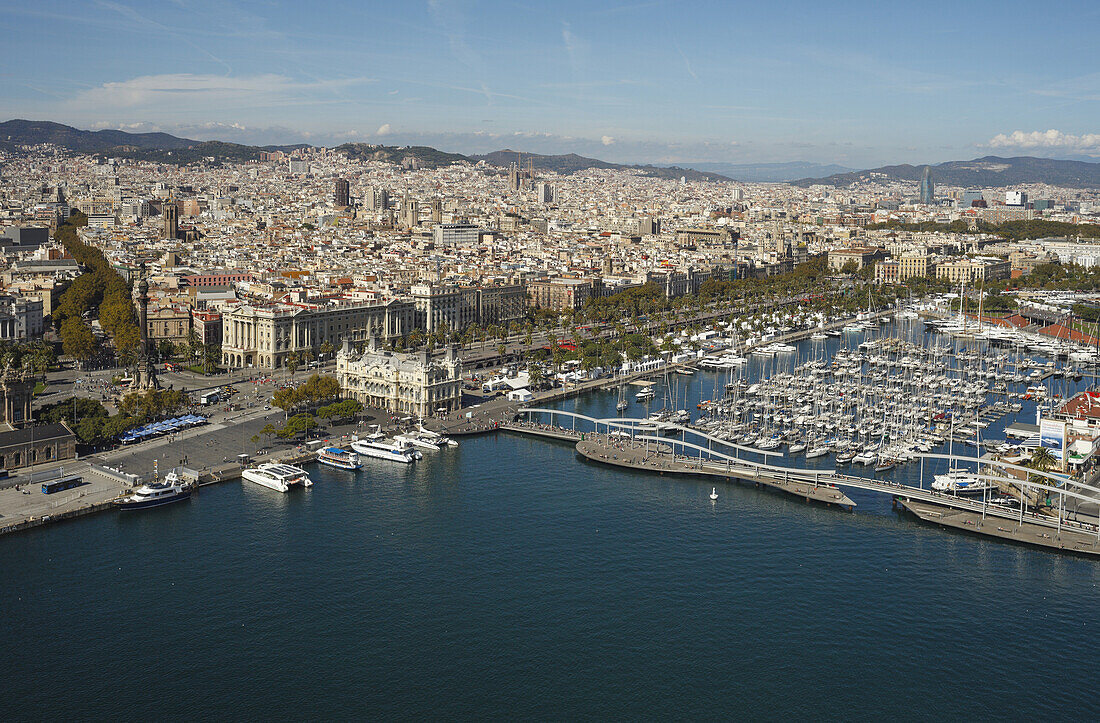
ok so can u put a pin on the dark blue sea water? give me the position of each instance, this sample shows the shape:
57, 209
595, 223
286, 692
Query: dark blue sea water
508, 578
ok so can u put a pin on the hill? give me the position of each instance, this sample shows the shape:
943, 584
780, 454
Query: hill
571, 163
771, 172
987, 172
423, 156
156, 147
30, 133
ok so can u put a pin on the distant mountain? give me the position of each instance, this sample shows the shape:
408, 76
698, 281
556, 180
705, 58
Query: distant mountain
771, 172
157, 147
571, 163
421, 156
987, 172
30, 133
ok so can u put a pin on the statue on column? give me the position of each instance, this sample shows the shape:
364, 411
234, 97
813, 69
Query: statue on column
145, 376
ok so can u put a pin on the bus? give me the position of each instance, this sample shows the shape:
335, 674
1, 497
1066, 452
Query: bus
59, 485
208, 398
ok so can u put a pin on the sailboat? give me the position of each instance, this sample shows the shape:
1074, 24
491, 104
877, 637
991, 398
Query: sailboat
622, 403
713, 493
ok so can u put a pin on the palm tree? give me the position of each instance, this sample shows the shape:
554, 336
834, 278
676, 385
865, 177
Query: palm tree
1042, 459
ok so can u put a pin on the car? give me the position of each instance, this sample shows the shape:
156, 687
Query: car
267, 407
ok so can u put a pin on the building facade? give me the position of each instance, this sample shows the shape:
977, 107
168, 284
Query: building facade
974, 270
400, 383
561, 294
264, 336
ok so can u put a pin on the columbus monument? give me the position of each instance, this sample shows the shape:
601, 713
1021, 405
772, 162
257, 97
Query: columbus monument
145, 376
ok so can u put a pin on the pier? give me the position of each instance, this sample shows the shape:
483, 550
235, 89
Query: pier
621, 445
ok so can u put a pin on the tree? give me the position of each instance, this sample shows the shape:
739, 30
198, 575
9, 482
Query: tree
850, 268
292, 362
535, 376
77, 339
297, 425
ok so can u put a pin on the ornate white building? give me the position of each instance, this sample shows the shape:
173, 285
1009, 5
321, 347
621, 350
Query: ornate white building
401, 383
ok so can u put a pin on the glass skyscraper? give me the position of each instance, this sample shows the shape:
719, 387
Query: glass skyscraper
927, 188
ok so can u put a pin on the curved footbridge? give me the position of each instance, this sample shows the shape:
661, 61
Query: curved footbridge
644, 445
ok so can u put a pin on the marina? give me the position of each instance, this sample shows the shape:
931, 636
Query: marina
919, 414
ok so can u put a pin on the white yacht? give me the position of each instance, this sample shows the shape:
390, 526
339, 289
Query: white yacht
172, 489
415, 440
278, 477
375, 445
435, 438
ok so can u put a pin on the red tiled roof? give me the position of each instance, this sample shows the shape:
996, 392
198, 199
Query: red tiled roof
1060, 331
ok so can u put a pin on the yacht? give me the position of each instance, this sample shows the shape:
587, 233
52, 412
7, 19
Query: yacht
277, 476
435, 437
818, 450
172, 489
960, 482
376, 446
338, 458
415, 440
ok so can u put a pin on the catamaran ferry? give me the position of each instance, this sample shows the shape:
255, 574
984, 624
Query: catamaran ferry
278, 477
339, 458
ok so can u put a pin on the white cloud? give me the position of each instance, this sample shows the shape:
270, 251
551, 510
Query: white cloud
384, 130
178, 90
1053, 139
607, 140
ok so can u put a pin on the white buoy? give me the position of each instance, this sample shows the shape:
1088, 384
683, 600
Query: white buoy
714, 493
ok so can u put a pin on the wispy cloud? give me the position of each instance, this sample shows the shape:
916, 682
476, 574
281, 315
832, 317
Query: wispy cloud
173, 91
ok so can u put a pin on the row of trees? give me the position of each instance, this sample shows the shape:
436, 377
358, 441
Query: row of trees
100, 289
304, 422
313, 391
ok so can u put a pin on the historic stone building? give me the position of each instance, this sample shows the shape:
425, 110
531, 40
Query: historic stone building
263, 336
400, 383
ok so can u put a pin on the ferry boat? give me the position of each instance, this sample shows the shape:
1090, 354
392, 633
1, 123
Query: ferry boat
375, 446
172, 489
338, 458
278, 477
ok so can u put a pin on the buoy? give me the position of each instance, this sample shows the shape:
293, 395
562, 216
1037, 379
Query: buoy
714, 493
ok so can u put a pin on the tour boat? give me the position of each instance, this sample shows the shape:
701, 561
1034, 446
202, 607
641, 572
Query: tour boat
276, 476
172, 489
375, 446
339, 458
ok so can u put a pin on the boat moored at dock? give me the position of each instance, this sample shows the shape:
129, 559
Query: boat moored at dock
278, 477
338, 458
171, 489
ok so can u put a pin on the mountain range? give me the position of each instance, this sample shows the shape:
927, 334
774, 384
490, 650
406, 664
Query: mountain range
987, 172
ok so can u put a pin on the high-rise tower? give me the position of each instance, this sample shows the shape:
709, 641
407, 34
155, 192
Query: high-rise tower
927, 187
341, 197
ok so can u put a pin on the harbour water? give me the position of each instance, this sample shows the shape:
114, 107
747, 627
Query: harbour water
508, 578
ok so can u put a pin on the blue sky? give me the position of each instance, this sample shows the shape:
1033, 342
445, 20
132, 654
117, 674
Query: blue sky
856, 83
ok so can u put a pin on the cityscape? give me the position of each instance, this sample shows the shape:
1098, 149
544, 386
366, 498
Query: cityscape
461, 419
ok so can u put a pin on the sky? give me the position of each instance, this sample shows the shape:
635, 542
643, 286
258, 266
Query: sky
856, 83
